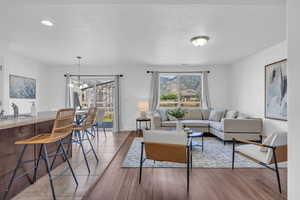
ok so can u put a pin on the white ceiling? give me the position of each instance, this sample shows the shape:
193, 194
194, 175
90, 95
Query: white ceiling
220, 2
142, 34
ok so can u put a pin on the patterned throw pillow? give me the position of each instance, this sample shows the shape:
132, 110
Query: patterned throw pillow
216, 115
205, 114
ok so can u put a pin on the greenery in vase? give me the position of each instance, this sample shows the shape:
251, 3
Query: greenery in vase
177, 113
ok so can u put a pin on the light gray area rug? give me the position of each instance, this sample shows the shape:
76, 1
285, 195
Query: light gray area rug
215, 155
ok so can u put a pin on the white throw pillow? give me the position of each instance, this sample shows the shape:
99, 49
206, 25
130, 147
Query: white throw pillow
231, 114
267, 141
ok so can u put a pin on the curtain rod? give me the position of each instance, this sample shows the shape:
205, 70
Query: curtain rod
178, 72
94, 75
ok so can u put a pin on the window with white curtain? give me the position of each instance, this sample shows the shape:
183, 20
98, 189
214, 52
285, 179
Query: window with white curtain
180, 90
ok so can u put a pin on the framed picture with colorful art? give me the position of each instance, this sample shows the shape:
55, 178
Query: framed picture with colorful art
276, 90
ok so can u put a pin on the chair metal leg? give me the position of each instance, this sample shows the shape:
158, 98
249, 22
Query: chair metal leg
92, 147
67, 159
37, 164
70, 144
46, 159
84, 154
276, 170
141, 162
104, 131
202, 143
233, 153
188, 170
15, 171
53, 161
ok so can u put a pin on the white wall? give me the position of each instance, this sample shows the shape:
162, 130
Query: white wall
247, 84
135, 86
293, 7
18, 65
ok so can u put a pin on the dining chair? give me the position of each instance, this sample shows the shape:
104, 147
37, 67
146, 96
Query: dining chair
62, 128
273, 150
168, 146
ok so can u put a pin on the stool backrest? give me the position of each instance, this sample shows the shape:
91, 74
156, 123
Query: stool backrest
63, 123
90, 118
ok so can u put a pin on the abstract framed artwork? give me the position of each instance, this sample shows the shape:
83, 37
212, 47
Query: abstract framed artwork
276, 90
22, 87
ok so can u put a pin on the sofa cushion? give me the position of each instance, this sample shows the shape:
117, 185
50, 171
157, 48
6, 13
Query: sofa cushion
205, 114
188, 123
193, 114
216, 115
195, 123
168, 123
231, 114
163, 114
217, 125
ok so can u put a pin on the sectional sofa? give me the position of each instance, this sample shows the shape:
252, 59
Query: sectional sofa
225, 124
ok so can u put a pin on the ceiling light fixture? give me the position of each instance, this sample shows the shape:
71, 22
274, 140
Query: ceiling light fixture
199, 40
47, 23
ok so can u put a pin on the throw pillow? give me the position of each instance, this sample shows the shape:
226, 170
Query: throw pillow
242, 116
267, 141
205, 114
193, 114
231, 114
216, 115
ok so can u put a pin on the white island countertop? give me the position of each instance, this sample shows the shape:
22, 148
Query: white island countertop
41, 117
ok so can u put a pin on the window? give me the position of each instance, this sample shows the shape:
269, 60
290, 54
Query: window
182, 90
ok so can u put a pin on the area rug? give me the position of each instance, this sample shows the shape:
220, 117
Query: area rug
215, 155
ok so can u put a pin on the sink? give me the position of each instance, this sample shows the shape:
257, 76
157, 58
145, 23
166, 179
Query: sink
11, 117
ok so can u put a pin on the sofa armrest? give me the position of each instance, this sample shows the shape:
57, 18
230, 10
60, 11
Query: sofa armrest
156, 120
254, 125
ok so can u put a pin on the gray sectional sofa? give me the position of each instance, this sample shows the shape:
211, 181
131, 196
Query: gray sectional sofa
225, 124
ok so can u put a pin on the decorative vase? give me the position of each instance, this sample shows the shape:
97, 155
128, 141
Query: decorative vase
179, 126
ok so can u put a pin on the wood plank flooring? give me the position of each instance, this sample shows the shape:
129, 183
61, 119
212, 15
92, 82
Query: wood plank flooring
170, 184
65, 188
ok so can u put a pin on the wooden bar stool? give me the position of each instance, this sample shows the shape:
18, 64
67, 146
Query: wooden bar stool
82, 130
62, 128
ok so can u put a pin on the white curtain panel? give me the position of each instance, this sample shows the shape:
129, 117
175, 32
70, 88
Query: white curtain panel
154, 86
205, 91
69, 92
117, 107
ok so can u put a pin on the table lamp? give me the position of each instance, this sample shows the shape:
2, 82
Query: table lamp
143, 108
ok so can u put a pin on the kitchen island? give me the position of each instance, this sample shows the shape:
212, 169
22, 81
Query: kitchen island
19, 129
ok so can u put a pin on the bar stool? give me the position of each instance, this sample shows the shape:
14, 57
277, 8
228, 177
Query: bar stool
82, 130
62, 128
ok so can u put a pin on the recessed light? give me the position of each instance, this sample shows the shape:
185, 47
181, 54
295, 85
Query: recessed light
199, 40
47, 23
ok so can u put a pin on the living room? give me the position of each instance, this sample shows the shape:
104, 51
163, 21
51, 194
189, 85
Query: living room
127, 45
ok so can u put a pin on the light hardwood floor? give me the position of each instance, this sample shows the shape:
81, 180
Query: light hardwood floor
65, 188
170, 184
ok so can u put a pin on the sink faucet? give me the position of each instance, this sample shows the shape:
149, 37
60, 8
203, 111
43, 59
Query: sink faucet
16, 110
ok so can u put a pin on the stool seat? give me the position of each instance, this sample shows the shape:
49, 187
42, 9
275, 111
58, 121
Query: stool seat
79, 127
43, 138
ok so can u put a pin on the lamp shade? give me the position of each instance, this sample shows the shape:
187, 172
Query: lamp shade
143, 106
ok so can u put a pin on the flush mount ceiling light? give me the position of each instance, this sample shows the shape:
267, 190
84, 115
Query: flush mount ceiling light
199, 40
47, 23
